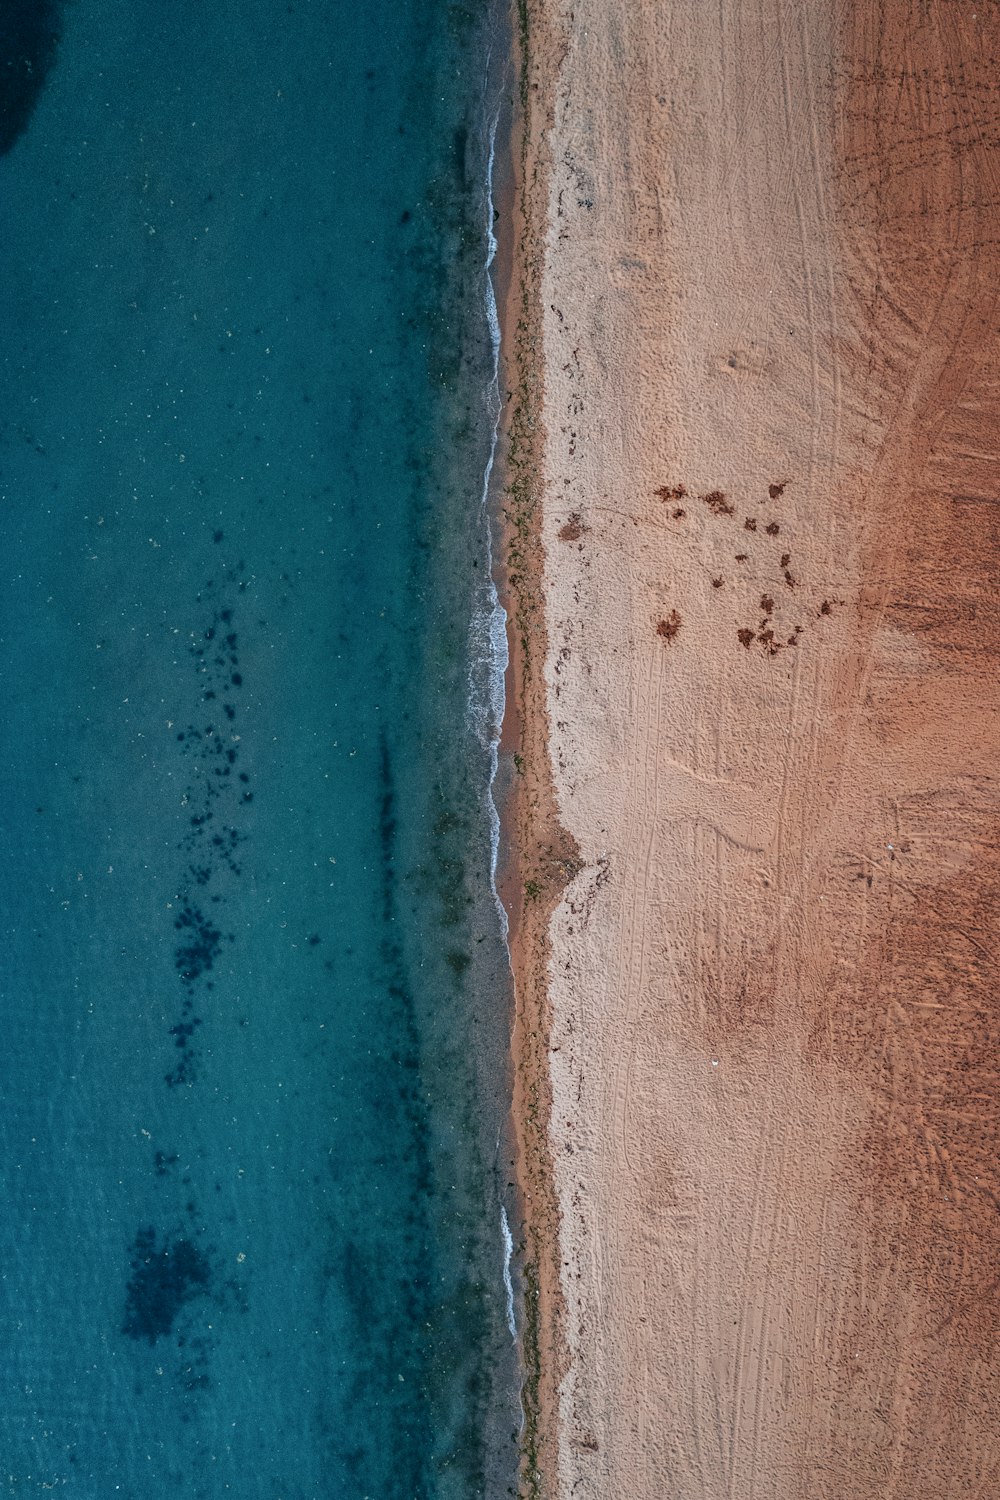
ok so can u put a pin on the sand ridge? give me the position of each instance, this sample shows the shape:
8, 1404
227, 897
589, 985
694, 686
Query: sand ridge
768, 458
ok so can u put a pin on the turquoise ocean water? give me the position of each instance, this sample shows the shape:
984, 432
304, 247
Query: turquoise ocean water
254, 994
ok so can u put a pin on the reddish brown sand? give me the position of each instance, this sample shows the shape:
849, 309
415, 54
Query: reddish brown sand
755, 531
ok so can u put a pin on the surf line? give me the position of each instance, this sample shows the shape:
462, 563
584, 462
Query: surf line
508, 1284
497, 652
490, 699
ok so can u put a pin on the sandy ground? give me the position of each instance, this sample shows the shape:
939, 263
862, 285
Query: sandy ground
767, 465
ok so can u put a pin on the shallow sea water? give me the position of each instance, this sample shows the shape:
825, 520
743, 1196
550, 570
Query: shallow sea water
254, 986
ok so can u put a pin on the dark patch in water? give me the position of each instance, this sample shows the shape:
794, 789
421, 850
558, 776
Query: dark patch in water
162, 1281
401, 1086
199, 948
213, 834
29, 38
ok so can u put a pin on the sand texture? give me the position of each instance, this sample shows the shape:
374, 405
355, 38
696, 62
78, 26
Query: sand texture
767, 461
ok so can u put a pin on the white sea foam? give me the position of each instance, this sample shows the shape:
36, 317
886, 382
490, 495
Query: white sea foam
508, 1251
489, 655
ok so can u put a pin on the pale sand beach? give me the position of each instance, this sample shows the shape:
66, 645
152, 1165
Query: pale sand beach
755, 597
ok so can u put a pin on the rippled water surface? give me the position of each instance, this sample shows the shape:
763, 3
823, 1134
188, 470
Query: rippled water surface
253, 981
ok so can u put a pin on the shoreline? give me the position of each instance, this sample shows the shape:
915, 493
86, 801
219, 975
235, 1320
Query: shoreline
749, 559
536, 856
